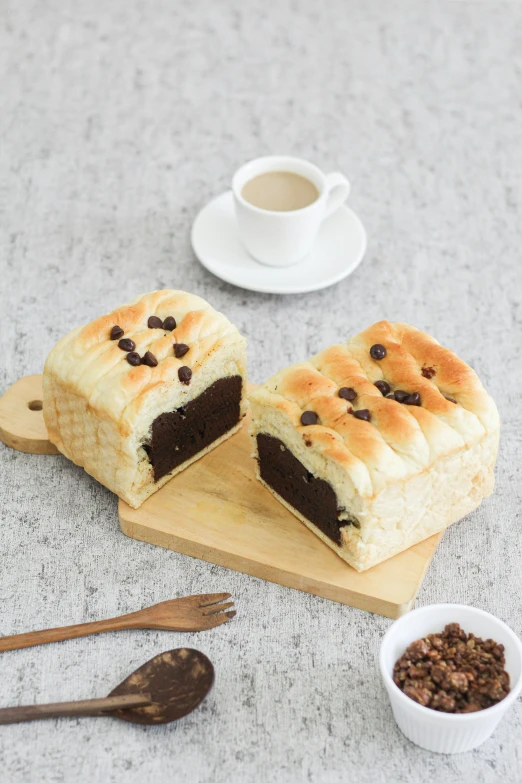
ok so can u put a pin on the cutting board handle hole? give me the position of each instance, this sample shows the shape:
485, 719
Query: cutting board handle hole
35, 405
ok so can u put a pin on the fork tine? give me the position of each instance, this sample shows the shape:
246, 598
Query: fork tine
207, 599
217, 619
215, 608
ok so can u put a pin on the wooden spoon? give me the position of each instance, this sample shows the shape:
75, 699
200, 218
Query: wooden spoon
166, 688
193, 613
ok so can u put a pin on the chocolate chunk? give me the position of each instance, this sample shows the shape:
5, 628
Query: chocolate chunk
384, 387
126, 344
180, 349
180, 434
185, 374
363, 414
154, 322
420, 695
149, 359
401, 395
450, 399
428, 372
133, 358
169, 323
418, 650
442, 702
413, 399
116, 333
313, 497
347, 393
377, 351
309, 417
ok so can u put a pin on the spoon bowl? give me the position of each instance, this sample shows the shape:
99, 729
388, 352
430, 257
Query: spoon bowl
176, 682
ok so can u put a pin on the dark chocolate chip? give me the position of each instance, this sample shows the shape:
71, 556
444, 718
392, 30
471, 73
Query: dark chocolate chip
383, 387
401, 395
428, 372
169, 323
185, 374
154, 322
149, 359
347, 393
377, 351
180, 349
363, 414
450, 399
133, 358
126, 344
309, 417
413, 399
116, 333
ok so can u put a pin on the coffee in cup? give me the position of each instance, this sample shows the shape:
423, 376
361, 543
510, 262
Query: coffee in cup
280, 191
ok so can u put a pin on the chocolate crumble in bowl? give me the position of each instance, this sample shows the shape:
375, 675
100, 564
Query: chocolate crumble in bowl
453, 671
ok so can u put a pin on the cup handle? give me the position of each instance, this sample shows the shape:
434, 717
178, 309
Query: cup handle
338, 190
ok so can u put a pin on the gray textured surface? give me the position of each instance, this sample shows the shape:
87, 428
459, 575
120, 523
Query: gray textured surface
118, 121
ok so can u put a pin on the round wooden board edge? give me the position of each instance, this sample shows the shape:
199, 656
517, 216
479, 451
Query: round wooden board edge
23, 428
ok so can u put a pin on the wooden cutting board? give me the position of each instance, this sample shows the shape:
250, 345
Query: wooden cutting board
216, 510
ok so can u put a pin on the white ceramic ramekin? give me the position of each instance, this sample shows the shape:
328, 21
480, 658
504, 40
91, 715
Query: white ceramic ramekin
439, 731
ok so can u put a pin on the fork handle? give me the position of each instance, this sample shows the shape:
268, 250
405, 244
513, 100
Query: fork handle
19, 640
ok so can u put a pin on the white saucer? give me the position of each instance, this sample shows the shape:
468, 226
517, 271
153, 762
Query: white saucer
337, 251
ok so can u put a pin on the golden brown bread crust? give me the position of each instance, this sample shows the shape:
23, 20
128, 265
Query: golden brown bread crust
400, 440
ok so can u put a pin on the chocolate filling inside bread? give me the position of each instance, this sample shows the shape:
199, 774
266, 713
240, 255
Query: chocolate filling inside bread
180, 434
313, 497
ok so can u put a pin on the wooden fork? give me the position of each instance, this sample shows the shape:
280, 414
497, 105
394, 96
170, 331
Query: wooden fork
194, 613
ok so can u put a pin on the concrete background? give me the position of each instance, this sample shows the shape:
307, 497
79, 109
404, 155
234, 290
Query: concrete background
118, 121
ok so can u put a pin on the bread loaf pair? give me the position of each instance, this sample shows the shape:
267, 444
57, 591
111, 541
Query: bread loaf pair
375, 444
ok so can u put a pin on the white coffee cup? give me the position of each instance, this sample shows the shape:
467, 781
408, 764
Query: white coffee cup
284, 238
